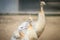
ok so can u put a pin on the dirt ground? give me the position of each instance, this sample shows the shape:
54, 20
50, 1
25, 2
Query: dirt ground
9, 23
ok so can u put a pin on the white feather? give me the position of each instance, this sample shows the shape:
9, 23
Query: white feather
15, 35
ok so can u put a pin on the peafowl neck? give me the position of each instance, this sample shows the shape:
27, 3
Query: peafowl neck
41, 15
42, 10
41, 20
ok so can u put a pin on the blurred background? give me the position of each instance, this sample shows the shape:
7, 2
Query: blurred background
14, 12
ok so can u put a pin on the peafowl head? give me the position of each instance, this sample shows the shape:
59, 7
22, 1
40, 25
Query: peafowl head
30, 19
42, 3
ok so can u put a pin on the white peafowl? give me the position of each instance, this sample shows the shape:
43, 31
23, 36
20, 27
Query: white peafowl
29, 30
40, 24
20, 32
30, 33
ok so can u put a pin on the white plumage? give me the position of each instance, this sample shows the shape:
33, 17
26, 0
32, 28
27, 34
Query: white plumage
18, 33
23, 27
32, 29
31, 34
40, 24
15, 35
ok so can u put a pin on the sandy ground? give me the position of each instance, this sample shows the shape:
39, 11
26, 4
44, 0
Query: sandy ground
9, 23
